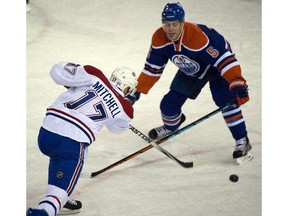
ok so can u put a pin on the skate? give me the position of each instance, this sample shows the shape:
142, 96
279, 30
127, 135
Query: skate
36, 212
71, 207
160, 132
242, 152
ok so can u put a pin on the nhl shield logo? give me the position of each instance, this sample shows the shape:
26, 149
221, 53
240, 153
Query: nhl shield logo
60, 174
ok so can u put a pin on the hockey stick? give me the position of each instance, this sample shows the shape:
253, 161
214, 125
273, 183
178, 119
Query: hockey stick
170, 136
165, 152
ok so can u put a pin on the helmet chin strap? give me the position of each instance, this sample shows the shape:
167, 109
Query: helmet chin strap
126, 91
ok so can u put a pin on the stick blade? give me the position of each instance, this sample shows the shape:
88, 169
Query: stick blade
93, 174
187, 164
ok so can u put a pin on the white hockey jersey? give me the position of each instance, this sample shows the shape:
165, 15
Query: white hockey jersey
90, 103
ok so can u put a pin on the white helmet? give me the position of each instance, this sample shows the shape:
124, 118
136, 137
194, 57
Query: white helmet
123, 77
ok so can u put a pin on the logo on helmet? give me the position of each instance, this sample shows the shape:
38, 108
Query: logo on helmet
173, 12
124, 79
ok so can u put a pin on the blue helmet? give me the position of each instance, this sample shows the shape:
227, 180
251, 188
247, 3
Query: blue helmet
173, 12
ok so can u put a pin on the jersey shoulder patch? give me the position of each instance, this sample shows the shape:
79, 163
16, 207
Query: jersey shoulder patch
194, 38
159, 38
94, 71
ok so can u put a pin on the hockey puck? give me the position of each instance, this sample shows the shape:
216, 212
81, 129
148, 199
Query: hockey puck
233, 178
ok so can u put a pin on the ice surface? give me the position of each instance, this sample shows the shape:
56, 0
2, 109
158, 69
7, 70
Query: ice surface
108, 34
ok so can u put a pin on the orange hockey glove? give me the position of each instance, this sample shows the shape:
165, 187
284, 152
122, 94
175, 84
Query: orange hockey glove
240, 90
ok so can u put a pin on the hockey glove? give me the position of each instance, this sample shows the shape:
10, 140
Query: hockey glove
240, 90
133, 98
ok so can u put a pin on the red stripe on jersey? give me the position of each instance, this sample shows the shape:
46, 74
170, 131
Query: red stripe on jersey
76, 119
174, 121
56, 198
77, 169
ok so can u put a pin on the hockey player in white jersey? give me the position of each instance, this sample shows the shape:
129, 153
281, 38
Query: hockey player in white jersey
73, 122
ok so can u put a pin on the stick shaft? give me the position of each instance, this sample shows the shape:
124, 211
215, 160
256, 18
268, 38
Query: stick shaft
170, 136
93, 174
177, 132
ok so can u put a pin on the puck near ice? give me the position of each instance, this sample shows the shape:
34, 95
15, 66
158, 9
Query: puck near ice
233, 178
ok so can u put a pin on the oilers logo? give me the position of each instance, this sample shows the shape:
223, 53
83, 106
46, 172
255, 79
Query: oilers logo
186, 65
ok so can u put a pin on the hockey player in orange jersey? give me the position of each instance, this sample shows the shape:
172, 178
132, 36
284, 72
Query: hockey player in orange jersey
202, 56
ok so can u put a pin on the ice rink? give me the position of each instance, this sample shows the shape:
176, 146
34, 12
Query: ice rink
111, 33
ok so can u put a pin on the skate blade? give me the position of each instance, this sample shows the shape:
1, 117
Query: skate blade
244, 159
68, 212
